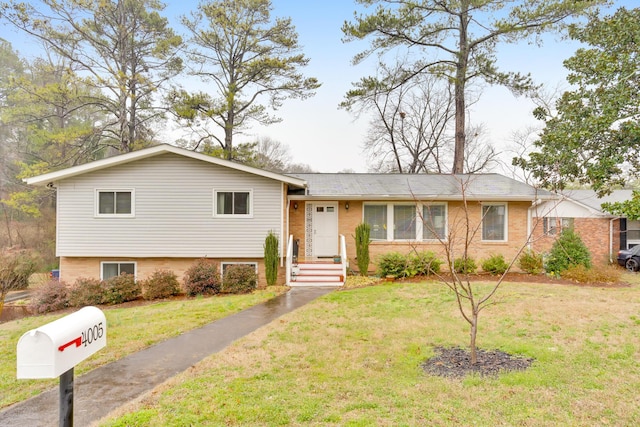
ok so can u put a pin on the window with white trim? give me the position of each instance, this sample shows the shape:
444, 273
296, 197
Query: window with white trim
494, 222
404, 222
109, 269
232, 203
115, 203
376, 217
434, 221
554, 225
225, 265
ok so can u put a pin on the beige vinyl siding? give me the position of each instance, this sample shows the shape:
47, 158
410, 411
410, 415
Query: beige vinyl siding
173, 211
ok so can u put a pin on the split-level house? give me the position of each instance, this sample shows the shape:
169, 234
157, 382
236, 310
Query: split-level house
165, 207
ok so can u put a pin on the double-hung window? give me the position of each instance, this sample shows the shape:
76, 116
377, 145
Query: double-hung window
553, 225
233, 203
404, 222
376, 217
115, 203
494, 222
434, 222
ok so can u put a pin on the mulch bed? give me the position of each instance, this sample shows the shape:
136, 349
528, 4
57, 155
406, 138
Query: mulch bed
456, 363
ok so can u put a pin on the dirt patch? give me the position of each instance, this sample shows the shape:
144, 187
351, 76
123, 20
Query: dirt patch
456, 363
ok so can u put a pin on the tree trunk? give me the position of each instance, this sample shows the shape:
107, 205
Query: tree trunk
460, 83
473, 333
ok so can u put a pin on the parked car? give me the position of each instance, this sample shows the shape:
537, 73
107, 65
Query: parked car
630, 258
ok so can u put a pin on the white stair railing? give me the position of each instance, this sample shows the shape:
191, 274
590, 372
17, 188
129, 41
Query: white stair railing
289, 259
343, 257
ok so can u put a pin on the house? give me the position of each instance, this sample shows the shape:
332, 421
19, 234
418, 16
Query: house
165, 207
603, 233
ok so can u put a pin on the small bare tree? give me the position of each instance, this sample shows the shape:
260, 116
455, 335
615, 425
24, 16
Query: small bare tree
456, 245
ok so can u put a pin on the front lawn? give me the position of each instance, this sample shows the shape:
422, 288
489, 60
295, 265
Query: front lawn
129, 330
353, 358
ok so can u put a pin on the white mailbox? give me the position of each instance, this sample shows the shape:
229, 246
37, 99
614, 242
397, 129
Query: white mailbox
53, 349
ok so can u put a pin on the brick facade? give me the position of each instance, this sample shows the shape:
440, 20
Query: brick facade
348, 219
71, 268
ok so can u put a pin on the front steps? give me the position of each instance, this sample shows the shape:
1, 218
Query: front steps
317, 274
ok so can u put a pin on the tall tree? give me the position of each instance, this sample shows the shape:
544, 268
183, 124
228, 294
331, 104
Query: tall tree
126, 47
410, 121
460, 37
244, 56
594, 136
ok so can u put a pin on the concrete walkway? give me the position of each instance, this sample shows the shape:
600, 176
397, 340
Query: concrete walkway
106, 388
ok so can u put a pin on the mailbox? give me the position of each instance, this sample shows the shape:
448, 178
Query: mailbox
53, 349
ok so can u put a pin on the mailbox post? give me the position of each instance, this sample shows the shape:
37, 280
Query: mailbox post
54, 349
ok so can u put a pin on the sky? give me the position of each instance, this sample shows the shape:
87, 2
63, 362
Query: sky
330, 139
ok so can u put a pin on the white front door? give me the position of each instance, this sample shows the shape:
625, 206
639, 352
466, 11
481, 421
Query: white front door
325, 229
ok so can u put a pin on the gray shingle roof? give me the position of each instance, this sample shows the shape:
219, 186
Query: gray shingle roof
422, 186
590, 198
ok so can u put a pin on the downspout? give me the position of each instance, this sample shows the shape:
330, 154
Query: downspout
283, 236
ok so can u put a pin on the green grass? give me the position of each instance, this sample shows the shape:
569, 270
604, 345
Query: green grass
129, 330
352, 358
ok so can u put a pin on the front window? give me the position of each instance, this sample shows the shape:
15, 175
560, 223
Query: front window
232, 203
376, 217
494, 222
112, 269
434, 218
554, 225
404, 222
115, 202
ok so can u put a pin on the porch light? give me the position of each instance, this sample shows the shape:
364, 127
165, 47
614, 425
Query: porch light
346, 205
295, 206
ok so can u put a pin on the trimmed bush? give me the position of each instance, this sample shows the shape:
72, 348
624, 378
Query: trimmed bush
202, 278
86, 291
425, 263
52, 296
239, 279
271, 258
465, 265
531, 262
392, 264
119, 289
363, 231
567, 250
495, 264
161, 284
15, 269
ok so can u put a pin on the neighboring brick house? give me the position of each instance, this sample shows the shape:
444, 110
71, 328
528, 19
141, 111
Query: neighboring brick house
604, 234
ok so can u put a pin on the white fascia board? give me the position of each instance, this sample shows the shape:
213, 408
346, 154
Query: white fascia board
52, 177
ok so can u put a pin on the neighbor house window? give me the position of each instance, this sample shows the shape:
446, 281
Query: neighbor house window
494, 222
109, 269
404, 222
114, 202
376, 217
434, 222
554, 225
232, 203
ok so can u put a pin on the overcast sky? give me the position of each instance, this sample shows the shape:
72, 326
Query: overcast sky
330, 139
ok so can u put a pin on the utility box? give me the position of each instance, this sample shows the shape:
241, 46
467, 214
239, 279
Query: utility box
53, 349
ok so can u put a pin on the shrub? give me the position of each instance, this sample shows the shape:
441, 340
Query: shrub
464, 265
531, 262
392, 264
119, 289
582, 274
239, 279
161, 284
271, 258
52, 296
15, 269
202, 278
567, 250
363, 231
495, 264
425, 263
86, 291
